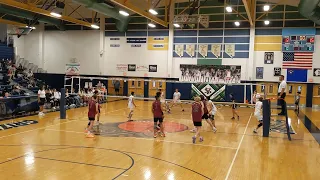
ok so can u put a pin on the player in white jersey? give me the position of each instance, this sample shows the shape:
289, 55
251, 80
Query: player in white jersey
228, 76
207, 76
163, 101
212, 109
176, 99
131, 106
258, 113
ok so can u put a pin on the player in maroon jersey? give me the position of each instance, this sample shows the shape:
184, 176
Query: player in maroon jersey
157, 111
197, 113
93, 110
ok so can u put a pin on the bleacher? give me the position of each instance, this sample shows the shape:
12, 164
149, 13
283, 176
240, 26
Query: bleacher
6, 52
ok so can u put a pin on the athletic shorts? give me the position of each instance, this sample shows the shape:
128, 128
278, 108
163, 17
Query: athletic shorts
91, 118
117, 90
205, 116
234, 106
211, 117
259, 117
42, 101
158, 120
197, 124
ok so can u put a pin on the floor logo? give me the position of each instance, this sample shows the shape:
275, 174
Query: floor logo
17, 124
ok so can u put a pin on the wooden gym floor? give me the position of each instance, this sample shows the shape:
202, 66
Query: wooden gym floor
58, 149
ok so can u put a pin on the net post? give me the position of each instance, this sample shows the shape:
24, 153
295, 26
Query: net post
63, 104
287, 121
266, 117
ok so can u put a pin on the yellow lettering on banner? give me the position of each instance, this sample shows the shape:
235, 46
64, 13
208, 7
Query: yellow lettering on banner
158, 39
158, 46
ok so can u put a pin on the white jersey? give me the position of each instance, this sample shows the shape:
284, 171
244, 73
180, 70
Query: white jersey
176, 96
214, 108
162, 99
130, 102
257, 110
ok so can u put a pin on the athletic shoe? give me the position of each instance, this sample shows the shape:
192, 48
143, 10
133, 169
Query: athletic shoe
193, 139
130, 120
163, 135
232, 118
255, 131
201, 139
89, 135
214, 129
238, 118
183, 110
155, 135
86, 130
193, 130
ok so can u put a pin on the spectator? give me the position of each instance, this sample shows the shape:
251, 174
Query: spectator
57, 96
29, 74
41, 99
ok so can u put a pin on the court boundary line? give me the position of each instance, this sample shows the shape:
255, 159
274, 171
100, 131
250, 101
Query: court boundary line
151, 139
68, 121
237, 151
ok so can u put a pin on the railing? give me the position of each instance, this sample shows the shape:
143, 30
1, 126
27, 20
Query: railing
267, 116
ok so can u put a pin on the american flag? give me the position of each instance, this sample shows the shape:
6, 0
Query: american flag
297, 60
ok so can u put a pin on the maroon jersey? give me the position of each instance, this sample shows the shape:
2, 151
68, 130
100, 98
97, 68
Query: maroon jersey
92, 109
196, 112
205, 109
156, 107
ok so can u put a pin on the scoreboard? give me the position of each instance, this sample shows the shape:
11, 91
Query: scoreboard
303, 43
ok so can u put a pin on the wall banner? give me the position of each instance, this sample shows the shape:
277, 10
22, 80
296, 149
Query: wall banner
114, 39
230, 49
178, 49
190, 49
268, 57
136, 40
277, 71
153, 68
203, 50
216, 50
73, 69
259, 72
135, 45
210, 73
122, 67
131, 67
114, 45
316, 72
142, 68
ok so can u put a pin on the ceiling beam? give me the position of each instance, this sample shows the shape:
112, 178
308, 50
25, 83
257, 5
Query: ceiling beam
34, 9
4, 21
131, 7
248, 5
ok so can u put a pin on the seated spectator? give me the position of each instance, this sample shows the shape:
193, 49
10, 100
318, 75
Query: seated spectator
16, 91
56, 96
29, 74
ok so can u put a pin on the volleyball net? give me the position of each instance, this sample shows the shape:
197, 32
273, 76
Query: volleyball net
146, 89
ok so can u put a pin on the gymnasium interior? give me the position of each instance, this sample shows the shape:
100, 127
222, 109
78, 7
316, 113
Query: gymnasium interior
55, 54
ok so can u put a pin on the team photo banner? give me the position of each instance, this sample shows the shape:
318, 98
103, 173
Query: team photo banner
210, 73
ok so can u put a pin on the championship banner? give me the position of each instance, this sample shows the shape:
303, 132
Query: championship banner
203, 50
190, 49
215, 92
230, 49
73, 69
210, 74
216, 50
178, 48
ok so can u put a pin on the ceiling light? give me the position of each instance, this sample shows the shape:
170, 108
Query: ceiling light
266, 7
124, 13
152, 11
94, 26
229, 9
237, 23
55, 14
266, 22
151, 25
176, 25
